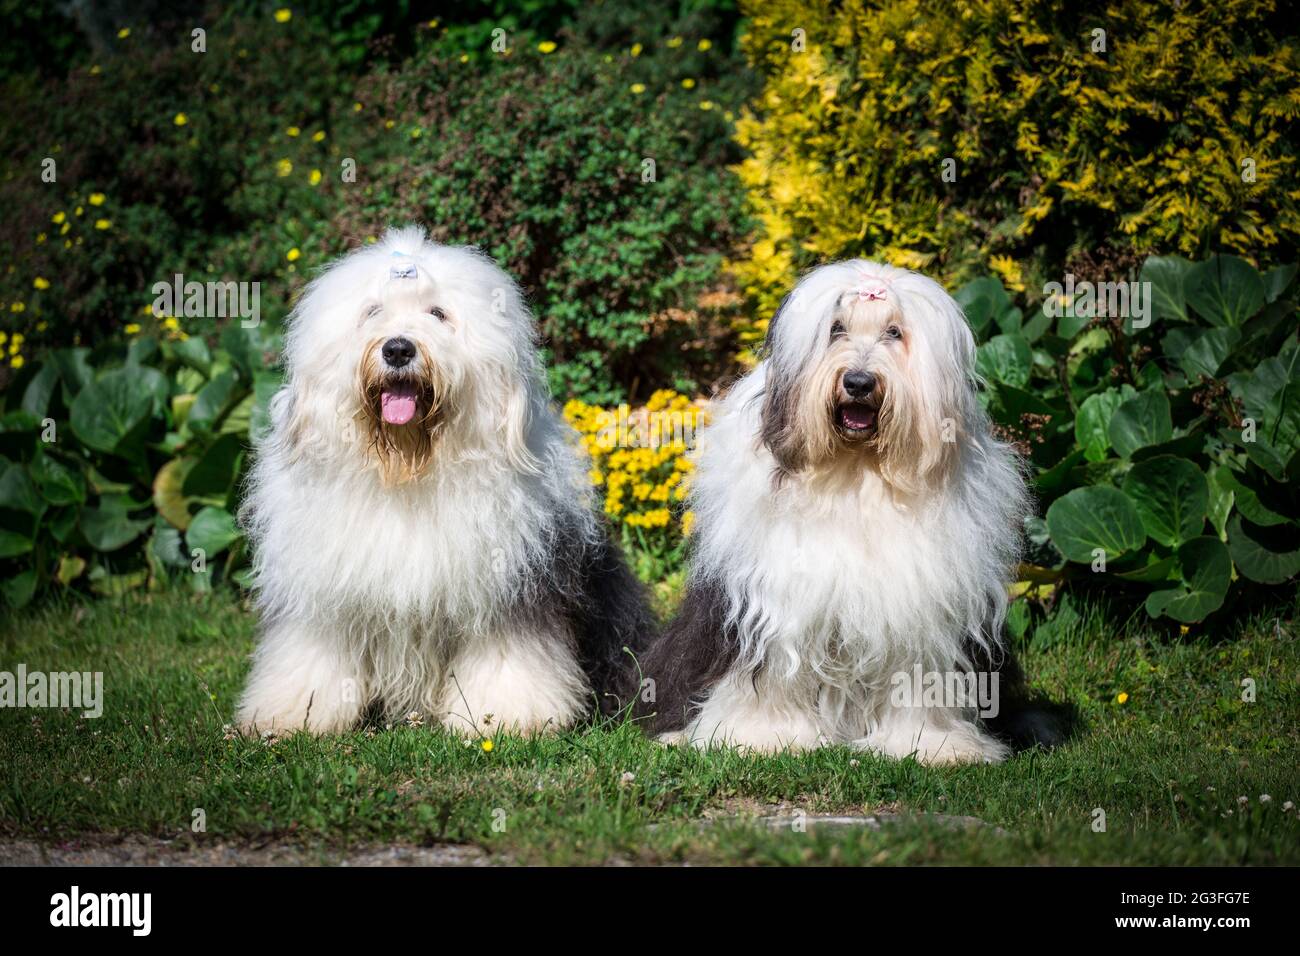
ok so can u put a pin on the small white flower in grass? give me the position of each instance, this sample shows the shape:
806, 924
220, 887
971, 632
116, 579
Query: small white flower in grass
1265, 798
1288, 807
627, 778
1242, 801
853, 762
415, 719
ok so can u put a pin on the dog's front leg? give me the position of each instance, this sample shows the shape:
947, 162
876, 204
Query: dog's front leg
766, 718
934, 735
518, 681
302, 679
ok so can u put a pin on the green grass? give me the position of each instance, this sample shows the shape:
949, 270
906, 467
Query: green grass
1167, 766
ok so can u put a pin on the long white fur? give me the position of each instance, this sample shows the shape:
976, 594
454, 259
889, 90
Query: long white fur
409, 592
842, 574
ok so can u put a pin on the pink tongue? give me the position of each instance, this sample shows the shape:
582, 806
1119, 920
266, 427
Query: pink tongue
857, 417
398, 404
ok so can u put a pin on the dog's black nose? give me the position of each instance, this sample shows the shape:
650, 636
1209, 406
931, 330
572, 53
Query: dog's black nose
859, 384
398, 352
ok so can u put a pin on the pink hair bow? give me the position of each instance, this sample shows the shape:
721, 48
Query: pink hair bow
876, 290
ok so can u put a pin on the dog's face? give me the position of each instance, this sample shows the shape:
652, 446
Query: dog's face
868, 366
408, 347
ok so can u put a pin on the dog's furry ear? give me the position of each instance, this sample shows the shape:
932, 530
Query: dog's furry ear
781, 396
516, 426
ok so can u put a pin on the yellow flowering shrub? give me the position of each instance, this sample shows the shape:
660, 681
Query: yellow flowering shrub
1142, 125
641, 464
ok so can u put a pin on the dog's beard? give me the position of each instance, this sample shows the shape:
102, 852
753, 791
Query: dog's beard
402, 416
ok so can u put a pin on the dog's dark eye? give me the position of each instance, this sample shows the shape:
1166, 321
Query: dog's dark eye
837, 330
894, 332
438, 314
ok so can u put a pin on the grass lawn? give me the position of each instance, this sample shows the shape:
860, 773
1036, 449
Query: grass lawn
1168, 766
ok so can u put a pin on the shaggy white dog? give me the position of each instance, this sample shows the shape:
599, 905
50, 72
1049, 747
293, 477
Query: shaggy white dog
855, 528
423, 528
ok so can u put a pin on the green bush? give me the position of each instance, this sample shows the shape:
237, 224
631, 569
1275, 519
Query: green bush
120, 467
544, 159
1179, 136
167, 161
1165, 452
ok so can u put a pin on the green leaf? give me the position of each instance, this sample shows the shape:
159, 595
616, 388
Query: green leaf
1208, 352
194, 352
14, 543
213, 400
19, 589
109, 411
1266, 555
1206, 573
1167, 275
19, 493
1222, 497
1142, 420
1225, 290
168, 498
110, 526
39, 391
1092, 423
1277, 280
215, 472
74, 369
1172, 497
212, 530
59, 484
1005, 358
1271, 396
1096, 518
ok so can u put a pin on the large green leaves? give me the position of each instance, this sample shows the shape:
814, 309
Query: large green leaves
1096, 520
1005, 358
1092, 423
1225, 290
1172, 497
1268, 555
1141, 421
111, 410
212, 531
1167, 275
1205, 572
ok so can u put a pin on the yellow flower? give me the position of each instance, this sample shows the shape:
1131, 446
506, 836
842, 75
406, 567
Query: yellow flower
546, 46
318, 136
171, 323
356, 107
487, 745
688, 522
132, 328
292, 131
102, 224
636, 49
42, 325
1121, 697
706, 104
41, 283
283, 168
40, 237
18, 307
96, 199
388, 124
704, 45
180, 119
283, 15
315, 177
123, 33
16, 361
464, 58
688, 84
637, 88
57, 218
293, 254
674, 43
94, 70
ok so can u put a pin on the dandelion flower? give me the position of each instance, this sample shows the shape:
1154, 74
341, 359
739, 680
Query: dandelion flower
704, 45
96, 199
283, 168
487, 745
318, 136
103, 224
315, 177
123, 33
636, 49
41, 283
283, 15
546, 46
180, 119
1121, 697
293, 254
637, 88
292, 131
688, 84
